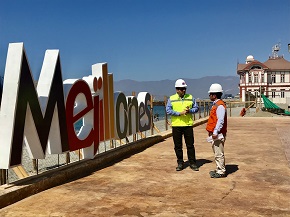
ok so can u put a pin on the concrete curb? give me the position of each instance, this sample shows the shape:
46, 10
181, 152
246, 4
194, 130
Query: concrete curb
11, 193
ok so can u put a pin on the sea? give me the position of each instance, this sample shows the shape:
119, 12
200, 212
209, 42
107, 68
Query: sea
158, 111
158, 114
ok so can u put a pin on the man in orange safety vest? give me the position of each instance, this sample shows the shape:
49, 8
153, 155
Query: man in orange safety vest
217, 129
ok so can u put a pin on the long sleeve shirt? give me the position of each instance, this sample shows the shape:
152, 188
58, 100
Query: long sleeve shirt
220, 112
170, 111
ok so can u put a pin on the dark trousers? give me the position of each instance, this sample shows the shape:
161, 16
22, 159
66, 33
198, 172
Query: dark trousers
187, 132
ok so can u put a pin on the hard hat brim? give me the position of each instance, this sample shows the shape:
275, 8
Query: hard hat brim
215, 92
181, 86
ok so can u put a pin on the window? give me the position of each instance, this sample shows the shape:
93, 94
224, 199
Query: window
242, 78
273, 77
282, 93
256, 67
255, 78
273, 93
282, 78
250, 78
262, 78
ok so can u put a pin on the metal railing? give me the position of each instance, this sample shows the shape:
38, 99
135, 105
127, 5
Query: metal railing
34, 167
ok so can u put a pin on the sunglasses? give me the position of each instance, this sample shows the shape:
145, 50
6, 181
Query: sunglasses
181, 88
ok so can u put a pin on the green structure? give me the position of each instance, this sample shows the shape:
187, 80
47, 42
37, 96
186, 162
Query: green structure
272, 107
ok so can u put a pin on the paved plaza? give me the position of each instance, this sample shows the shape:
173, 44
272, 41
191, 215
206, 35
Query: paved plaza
257, 154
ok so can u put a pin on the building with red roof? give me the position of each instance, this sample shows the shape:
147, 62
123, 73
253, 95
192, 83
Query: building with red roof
271, 78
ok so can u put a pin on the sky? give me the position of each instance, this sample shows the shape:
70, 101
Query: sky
146, 40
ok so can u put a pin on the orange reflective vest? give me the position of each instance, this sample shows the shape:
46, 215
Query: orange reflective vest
212, 120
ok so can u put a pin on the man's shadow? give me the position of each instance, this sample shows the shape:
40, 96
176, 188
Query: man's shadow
199, 162
230, 168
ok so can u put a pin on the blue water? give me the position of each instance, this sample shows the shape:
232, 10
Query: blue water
160, 110
157, 110
78, 125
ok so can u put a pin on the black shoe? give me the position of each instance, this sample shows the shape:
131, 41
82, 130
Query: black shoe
217, 175
194, 167
179, 167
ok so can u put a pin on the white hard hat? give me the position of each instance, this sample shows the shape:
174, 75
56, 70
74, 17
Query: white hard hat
180, 83
215, 88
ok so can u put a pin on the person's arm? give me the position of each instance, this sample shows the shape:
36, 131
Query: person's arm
195, 107
169, 109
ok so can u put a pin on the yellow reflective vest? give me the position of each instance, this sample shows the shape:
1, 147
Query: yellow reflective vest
180, 105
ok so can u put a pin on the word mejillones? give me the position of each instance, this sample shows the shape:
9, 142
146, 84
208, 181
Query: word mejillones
43, 116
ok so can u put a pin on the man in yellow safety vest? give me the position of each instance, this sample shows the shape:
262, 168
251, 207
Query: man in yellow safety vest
181, 106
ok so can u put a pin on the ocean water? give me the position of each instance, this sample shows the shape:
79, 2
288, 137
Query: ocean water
158, 110
78, 125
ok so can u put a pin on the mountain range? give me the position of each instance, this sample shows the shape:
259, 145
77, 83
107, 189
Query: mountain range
197, 87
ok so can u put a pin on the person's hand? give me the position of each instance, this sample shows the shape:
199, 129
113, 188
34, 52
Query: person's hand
183, 112
214, 136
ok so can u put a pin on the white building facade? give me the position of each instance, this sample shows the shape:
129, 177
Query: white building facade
271, 78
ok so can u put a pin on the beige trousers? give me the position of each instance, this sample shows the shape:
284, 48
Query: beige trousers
218, 150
